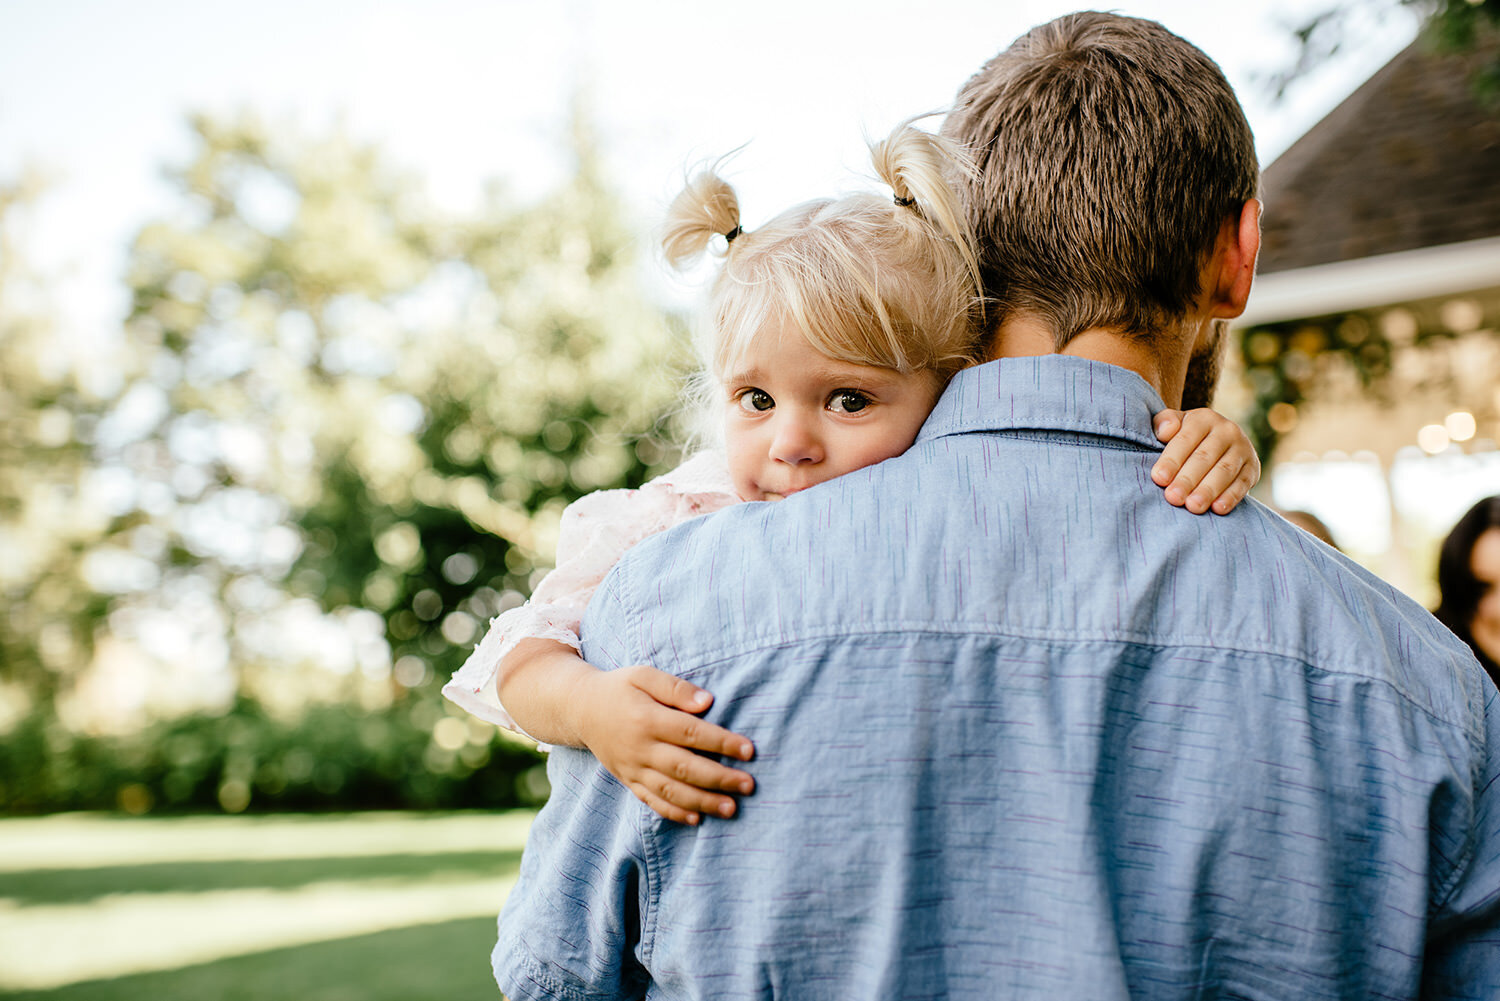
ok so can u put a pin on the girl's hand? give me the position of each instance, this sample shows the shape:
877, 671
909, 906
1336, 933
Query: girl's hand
1208, 464
642, 725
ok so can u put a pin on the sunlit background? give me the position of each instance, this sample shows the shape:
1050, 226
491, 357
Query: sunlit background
313, 316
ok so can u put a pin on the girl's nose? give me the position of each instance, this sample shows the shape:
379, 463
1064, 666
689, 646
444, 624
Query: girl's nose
794, 443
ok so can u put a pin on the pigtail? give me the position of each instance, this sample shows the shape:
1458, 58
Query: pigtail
706, 208
916, 165
865, 281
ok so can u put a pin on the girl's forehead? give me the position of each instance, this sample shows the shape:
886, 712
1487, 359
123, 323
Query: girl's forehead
774, 344
747, 336
784, 357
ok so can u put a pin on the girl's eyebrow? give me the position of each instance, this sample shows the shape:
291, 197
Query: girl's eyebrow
748, 377
854, 377
861, 378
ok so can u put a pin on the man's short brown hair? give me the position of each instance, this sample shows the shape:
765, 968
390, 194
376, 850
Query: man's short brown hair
1110, 151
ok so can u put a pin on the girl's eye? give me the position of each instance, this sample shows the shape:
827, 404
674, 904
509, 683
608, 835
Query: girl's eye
848, 401
756, 400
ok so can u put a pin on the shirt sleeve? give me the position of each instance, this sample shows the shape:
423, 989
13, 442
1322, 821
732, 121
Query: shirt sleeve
571, 926
596, 531
1463, 957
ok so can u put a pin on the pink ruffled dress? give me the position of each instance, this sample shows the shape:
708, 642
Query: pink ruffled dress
596, 531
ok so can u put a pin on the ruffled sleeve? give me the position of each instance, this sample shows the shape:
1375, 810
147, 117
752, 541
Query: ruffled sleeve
596, 531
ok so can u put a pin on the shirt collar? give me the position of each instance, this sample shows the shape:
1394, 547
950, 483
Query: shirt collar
1047, 392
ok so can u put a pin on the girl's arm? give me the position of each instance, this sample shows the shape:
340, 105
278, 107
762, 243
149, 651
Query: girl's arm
1208, 464
526, 674
641, 724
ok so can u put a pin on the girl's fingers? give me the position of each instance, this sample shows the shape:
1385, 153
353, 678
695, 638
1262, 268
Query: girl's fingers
700, 773
675, 722
1208, 463
1166, 424
1189, 472
1165, 469
1182, 434
664, 807
674, 727
678, 800
668, 689
1219, 479
1201, 459
1230, 498
681, 785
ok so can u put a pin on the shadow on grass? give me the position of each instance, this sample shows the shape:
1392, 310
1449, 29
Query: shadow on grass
67, 886
441, 962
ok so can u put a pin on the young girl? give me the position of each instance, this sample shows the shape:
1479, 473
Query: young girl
832, 331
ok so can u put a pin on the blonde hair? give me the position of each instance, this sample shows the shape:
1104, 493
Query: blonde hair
867, 280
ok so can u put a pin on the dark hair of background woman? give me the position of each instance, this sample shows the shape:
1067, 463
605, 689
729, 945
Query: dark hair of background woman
1460, 590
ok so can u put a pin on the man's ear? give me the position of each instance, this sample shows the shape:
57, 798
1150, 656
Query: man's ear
1233, 266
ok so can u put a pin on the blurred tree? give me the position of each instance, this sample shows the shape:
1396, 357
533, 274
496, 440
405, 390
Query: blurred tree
348, 431
373, 407
1455, 24
48, 527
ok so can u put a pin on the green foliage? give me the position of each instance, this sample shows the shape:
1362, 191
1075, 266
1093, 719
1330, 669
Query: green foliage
1460, 26
1454, 25
47, 415
332, 757
420, 396
337, 407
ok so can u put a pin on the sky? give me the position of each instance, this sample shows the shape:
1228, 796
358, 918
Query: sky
96, 94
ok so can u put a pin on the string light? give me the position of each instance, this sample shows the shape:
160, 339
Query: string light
1433, 438
1282, 417
1460, 425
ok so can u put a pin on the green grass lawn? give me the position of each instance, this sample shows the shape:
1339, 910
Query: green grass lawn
363, 907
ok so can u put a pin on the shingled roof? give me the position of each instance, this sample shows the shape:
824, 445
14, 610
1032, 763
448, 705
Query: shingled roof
1410, 160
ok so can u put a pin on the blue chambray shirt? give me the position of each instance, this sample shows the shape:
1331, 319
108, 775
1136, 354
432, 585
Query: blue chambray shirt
1024, 730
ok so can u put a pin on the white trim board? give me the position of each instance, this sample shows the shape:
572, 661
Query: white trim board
1370, 282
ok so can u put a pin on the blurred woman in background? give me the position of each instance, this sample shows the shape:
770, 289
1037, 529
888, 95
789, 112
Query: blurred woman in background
1469, 582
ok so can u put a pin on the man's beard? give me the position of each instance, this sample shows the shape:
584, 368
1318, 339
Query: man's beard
1203, 369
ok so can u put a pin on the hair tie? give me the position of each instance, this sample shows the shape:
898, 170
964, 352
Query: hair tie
906, 202
729, 236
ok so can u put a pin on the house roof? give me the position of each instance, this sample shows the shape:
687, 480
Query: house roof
1410, 160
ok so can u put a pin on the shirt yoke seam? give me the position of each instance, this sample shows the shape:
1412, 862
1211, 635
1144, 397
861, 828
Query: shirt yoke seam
951, 629
1110, 436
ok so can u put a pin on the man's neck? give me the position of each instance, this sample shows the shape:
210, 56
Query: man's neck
1153, 359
